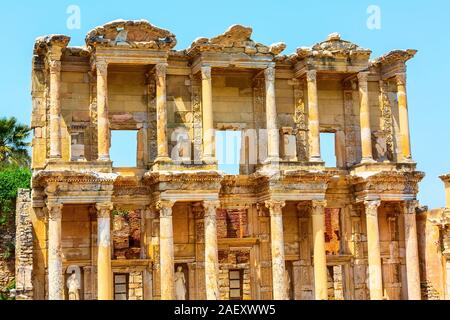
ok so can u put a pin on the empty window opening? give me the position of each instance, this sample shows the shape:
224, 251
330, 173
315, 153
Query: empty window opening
228, 151
328, 149
121, 286
123, 150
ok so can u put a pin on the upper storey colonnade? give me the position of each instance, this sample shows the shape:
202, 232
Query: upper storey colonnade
140, 43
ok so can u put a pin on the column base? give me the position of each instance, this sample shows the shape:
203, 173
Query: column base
272, 160
407, 160
367, 161
104, 158
163, 159
209, 160
315, 159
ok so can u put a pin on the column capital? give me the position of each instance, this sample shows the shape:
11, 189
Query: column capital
363, 76
372, 207
269, 73
102, 67
206, 72
275, 206
400, 78
161, 69
54, 66
311, 75
165, 208
211, 207
318, 205
410, 206
104, 209
54, 210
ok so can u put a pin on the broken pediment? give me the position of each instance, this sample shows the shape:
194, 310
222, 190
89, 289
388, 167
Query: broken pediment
44, 44
395, 56
333, 47
237, 39
132, 34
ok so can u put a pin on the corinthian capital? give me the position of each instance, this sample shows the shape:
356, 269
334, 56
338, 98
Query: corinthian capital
318, 206
54, 66
275, 207
269, 73
400, 78
102, 67
165, 208
311, 75
211, 207
372, 207
161, 69
104, 209
411, 206
54, 211
206, 72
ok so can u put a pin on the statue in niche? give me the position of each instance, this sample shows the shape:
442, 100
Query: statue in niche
287, 282
181, 151
380, 146
73, 285
180, 284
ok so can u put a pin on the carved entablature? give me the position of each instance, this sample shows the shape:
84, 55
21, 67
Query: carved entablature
50, 49
244, 186
237, 39
440, 218
139, 34
130, 186
393, 63
196, 181
387, 185
334, 49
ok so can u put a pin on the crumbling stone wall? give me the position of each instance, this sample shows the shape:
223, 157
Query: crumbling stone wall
135, 286
234, 260
24, 246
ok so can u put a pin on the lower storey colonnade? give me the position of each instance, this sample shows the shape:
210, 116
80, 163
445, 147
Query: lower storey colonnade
213, 255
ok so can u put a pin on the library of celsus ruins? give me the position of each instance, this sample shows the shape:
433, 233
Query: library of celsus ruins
176, 226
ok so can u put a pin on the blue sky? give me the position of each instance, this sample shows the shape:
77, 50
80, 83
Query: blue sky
404, 24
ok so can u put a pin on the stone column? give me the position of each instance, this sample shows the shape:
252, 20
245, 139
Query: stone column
209, 153
364, 118
320, 258
55, 109
104, 270
102, 111
273, 134
211, 251
313, 117
161, 113
166, 251
412, 251
403, 116
373, 249
277, 246
55, 271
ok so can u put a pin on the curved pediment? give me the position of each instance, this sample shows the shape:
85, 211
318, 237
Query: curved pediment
333, 47
237, 39
131, 33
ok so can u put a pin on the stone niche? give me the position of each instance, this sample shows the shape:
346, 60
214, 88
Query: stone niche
126, 234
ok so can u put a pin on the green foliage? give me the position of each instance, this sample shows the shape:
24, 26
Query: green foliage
120, 212
6, 295
13, 145
11, 179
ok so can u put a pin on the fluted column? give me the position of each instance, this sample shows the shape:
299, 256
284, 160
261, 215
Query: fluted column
104, 270
273, 135
55, 272
161, 113
277, 246
313, 117
55, 109
412, 251
320, 258
102, 111
364, 118
166, 250
211, 251
403, 116
373, 250
209, 152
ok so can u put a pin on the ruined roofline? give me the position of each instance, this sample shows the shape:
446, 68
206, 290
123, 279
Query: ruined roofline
236, 39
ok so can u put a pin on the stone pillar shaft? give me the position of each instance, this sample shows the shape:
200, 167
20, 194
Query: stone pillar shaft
55, 272
364, 117
209, 153
373, 248
55, 109
104, 269
273, 135
102, 111
166, 250
277, 246
161, 112
412, 252
313, 117
403, 116
320, 258
211, 251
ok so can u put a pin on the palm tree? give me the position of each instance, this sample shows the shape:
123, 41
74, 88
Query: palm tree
13, 147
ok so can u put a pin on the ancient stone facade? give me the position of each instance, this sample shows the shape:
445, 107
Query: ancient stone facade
286, 227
